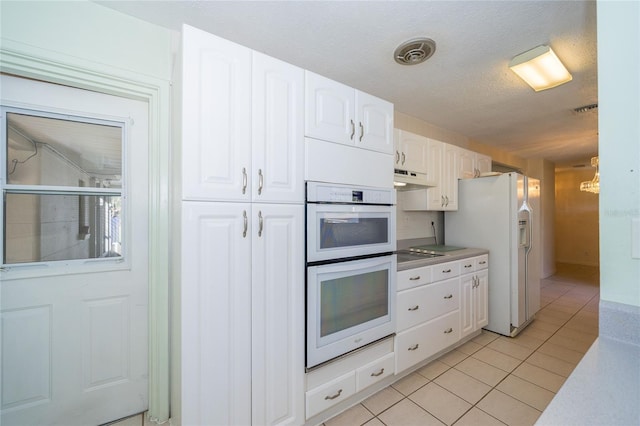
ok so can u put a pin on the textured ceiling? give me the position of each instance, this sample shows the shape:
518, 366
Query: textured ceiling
465, 87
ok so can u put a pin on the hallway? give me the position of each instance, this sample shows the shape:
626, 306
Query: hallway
492, 379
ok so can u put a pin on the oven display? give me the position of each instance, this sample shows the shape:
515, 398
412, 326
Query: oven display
356, 196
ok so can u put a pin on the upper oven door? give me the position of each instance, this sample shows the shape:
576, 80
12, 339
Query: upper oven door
337, 231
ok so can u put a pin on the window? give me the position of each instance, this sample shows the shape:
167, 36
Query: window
62, 188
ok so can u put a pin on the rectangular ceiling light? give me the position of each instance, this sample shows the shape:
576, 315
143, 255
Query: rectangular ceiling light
540, 68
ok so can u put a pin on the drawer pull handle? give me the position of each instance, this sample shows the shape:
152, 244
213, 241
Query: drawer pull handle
449, 296
482, 262
468, 266
450, 330
415, 308
334, 396
414, 278
379, 373
414, 347
446, 271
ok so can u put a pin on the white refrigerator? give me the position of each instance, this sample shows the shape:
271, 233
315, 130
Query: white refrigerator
502, 214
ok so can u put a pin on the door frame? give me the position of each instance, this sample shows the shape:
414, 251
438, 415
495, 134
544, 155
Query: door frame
26, 61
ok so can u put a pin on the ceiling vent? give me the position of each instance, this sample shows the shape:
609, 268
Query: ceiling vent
415, 51
585, 108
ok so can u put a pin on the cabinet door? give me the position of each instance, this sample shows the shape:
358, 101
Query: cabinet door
435, 200
481, 299
374, 123
467, 288
414, 153
449, 175
466, 164
483, 163
216, 313
278, 131
329, 111
278, 314
216, 117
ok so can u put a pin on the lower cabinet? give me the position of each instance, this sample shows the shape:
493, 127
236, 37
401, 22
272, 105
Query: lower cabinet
474, 312
242, 313
336, 381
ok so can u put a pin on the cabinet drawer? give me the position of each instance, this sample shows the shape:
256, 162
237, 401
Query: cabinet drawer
419, 343
410, 278
421, 304
482, 262
325, 396
443, 271
467, 265
375, 371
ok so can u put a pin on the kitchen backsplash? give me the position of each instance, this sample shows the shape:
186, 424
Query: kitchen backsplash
416, 224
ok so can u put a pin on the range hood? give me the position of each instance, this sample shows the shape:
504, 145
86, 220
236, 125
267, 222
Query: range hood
404, 179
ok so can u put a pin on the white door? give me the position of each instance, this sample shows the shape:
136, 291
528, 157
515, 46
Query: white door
278, 131
374, 123
277, 267
216, 313
329, 110
216, 118
74, 290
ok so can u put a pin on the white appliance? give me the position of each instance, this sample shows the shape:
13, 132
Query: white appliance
351, 268
502, 213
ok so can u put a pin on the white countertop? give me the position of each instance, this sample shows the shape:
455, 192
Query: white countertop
603, 390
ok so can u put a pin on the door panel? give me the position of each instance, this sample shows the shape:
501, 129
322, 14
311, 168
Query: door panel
74, 333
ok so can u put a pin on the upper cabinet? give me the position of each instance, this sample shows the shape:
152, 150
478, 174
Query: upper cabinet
242, 123
411, 152
338, 113
472, 164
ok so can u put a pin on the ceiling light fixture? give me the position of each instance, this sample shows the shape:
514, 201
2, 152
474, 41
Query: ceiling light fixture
592, 185
414, 51
540, 68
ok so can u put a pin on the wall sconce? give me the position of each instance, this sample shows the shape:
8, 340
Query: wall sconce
540, 68
592, 185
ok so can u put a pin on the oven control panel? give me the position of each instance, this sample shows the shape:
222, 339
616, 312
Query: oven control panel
318, 192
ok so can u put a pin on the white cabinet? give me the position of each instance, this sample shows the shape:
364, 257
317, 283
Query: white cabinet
277, 301
411, 152
338, 113
442, 163
474, 285
242, 236
216, 118
472, 164
428, 316
242, 269
216, 313
242, 123
278, 131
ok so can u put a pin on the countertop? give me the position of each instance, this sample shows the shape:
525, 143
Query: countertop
446, 257
604, 389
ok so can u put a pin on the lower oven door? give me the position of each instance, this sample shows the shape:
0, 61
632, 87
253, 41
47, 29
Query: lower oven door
349, 304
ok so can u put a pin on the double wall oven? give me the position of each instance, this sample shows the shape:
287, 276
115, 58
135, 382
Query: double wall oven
351, 268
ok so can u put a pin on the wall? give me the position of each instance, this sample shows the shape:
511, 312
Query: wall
619, 149
544, 170
577, 218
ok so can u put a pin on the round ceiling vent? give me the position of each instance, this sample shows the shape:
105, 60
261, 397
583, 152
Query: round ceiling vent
414, 51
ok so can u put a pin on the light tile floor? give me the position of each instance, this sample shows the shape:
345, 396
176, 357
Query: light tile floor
496, 380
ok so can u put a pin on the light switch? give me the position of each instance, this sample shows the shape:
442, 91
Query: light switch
635, 237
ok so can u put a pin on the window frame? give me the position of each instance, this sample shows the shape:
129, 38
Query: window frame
69, 266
